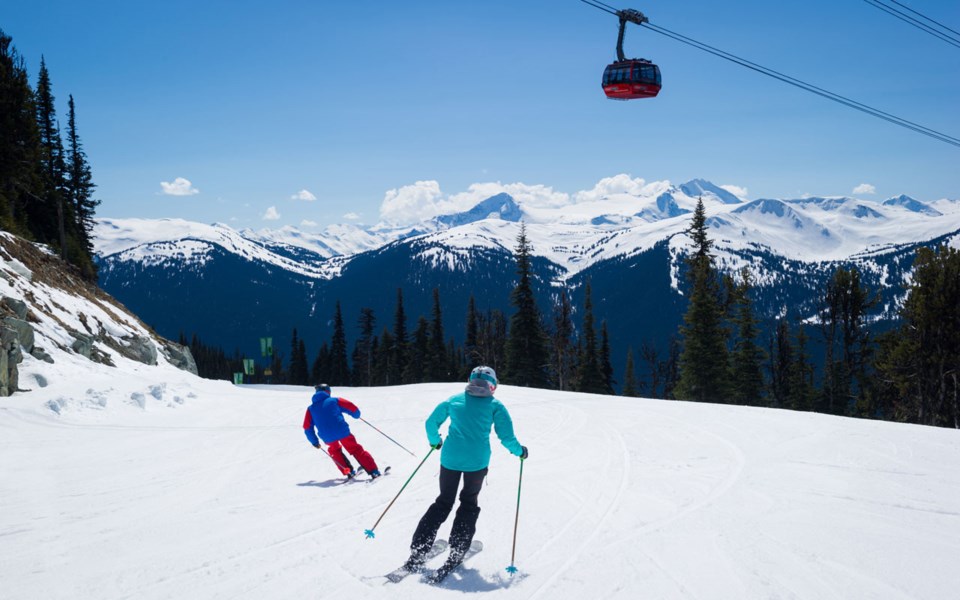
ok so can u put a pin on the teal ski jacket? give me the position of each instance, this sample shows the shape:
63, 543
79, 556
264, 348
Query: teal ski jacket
467, 447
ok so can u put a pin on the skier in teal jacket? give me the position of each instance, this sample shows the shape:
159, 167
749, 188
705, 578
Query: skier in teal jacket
466, 454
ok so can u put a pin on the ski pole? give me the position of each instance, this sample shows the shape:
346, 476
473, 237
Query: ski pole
388, 437
333, 459
369, 532
513, 553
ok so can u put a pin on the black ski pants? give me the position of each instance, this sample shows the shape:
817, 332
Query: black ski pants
464, 524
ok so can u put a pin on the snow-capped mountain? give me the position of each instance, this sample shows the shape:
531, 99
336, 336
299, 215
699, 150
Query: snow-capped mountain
630, 245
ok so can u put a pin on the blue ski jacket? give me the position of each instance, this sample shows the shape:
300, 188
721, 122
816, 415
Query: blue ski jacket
325, 414
467, 447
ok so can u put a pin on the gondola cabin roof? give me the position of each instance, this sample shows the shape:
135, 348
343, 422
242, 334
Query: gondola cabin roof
631, 79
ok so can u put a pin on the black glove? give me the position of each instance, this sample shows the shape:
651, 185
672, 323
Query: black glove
438, 445
524, 454
316, 445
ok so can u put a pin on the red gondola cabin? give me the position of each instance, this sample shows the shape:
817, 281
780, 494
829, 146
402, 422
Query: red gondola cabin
631, 79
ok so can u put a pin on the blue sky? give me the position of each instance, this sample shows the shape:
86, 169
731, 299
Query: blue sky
263, 106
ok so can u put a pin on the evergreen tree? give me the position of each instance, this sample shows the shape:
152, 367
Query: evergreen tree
19, 142
79, 193
921, 364
320, 371
383, 360
605, 365
470, 351
437, 367
802, 394
563, 357
400, 347
527, 356
747, 358
704, 364
299, 372
629, 377
363, 356
843, 316
339, 367
671, 369
48, 219
589, 374
419, 351
781, 364
492, 339
654, 367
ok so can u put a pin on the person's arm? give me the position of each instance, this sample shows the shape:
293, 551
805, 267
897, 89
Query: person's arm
308, 430
503, 425
434, 421
348, 407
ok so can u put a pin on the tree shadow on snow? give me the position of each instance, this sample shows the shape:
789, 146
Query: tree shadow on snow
470, 580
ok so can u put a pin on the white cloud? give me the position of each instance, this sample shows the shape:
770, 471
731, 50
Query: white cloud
413, 203
618, 184
865, 188
308, 223
178, 187
352, 216
303, 195
272, 214
736, 190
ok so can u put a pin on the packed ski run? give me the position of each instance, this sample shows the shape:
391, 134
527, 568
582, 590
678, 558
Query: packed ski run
148, 482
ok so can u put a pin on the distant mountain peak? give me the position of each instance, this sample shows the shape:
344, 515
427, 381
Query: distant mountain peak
912, 205
501, 206
701, 187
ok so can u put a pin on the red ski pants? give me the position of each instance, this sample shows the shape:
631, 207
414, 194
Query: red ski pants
350, 444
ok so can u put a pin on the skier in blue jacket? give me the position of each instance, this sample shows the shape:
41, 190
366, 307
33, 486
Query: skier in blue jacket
325, 414
466, 454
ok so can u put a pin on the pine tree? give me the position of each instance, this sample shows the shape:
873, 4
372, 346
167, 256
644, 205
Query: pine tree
747, 358
781, 364
629, 377
79, 194
563, 358
437, 367
320, 371
589, 374
339, 367
527, 357
802, 393
843, 316
19, 142
470, 341
606, 367
492, 339
704, 364
363, 349
419, 351
384, 371
922, 364
400, 348
50, 216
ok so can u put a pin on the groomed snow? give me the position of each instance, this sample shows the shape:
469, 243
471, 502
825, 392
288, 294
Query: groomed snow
146, 482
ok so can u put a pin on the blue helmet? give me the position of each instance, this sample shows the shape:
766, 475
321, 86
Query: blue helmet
322, 387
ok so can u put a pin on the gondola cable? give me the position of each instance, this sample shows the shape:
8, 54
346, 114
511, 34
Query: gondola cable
790, 80
948, 38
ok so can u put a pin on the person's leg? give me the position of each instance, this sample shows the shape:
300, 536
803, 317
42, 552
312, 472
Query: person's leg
465, 523
336, 453
438, 512
363, 457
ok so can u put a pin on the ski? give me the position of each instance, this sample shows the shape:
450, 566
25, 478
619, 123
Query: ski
438, 547
440, 574
386, 471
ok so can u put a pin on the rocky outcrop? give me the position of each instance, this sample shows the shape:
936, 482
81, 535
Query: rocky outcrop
180, 357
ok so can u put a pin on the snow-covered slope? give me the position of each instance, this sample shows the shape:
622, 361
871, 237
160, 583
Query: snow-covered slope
219, 495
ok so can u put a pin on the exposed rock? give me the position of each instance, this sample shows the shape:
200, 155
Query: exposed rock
10, 357
24, 332
141, 349
180, 357
17, 307
82, 343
